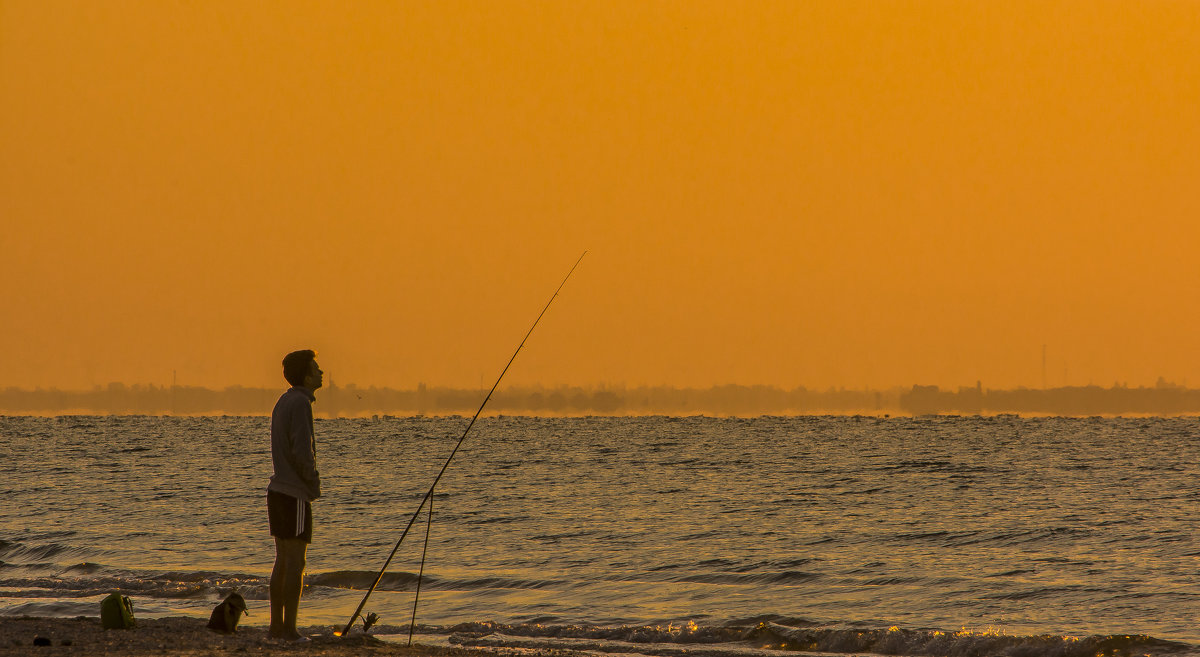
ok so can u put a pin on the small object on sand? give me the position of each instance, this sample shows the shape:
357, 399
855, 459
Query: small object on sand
41, 641
116, 612
370, 620
226, 615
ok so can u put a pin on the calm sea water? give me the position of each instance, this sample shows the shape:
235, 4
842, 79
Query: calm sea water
940, 535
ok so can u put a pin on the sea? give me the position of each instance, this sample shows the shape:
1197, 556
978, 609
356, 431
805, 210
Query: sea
702, 536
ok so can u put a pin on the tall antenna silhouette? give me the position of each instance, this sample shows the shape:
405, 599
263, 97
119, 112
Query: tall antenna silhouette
1043, 367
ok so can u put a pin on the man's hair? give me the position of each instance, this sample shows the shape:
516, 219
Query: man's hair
297, 365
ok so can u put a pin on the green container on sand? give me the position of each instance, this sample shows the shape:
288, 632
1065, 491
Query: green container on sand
116, 612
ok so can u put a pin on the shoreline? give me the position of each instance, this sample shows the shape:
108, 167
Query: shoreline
190, 637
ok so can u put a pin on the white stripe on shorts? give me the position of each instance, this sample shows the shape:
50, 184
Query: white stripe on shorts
299, 516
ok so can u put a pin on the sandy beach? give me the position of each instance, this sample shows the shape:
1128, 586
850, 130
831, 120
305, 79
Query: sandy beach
188, 637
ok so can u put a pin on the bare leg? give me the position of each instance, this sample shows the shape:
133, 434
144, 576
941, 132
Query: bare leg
294, 583
287, 581
277, 591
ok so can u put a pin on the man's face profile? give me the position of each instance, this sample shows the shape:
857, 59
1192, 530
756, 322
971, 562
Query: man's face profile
312, 380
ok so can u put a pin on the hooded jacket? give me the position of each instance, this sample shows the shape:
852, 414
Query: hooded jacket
293, 446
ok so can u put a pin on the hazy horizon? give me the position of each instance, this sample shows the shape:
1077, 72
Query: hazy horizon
1158, 382
1164, 399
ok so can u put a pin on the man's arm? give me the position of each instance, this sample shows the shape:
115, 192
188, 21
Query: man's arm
303, 458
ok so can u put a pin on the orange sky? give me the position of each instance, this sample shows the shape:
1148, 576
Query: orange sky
796, 193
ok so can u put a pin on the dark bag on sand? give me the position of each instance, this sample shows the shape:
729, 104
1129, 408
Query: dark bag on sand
116, 612
227, 614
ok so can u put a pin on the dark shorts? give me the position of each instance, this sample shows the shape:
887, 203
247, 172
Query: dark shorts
290, 517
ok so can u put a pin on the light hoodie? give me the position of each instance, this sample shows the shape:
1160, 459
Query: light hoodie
293, 446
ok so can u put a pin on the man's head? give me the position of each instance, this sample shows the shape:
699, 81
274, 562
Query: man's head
300, 369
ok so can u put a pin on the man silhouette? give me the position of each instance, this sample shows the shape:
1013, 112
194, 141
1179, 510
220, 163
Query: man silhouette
293, 487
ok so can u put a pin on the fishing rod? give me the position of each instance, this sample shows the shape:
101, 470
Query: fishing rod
429, 494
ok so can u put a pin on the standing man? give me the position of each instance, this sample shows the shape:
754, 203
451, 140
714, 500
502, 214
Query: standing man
295, 484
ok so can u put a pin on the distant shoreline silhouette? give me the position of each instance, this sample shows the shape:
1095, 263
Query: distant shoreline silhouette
1164, 398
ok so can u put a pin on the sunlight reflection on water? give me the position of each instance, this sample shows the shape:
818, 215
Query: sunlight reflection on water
1044, 525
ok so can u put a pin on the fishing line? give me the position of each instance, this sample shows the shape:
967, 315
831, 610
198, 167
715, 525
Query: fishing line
429, 494
412, 623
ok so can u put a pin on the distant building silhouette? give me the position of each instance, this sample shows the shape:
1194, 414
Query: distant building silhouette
1164, 398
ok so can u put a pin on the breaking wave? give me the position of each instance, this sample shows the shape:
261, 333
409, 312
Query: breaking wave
770, 638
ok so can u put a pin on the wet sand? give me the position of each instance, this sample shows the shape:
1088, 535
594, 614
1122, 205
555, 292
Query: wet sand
188, 637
